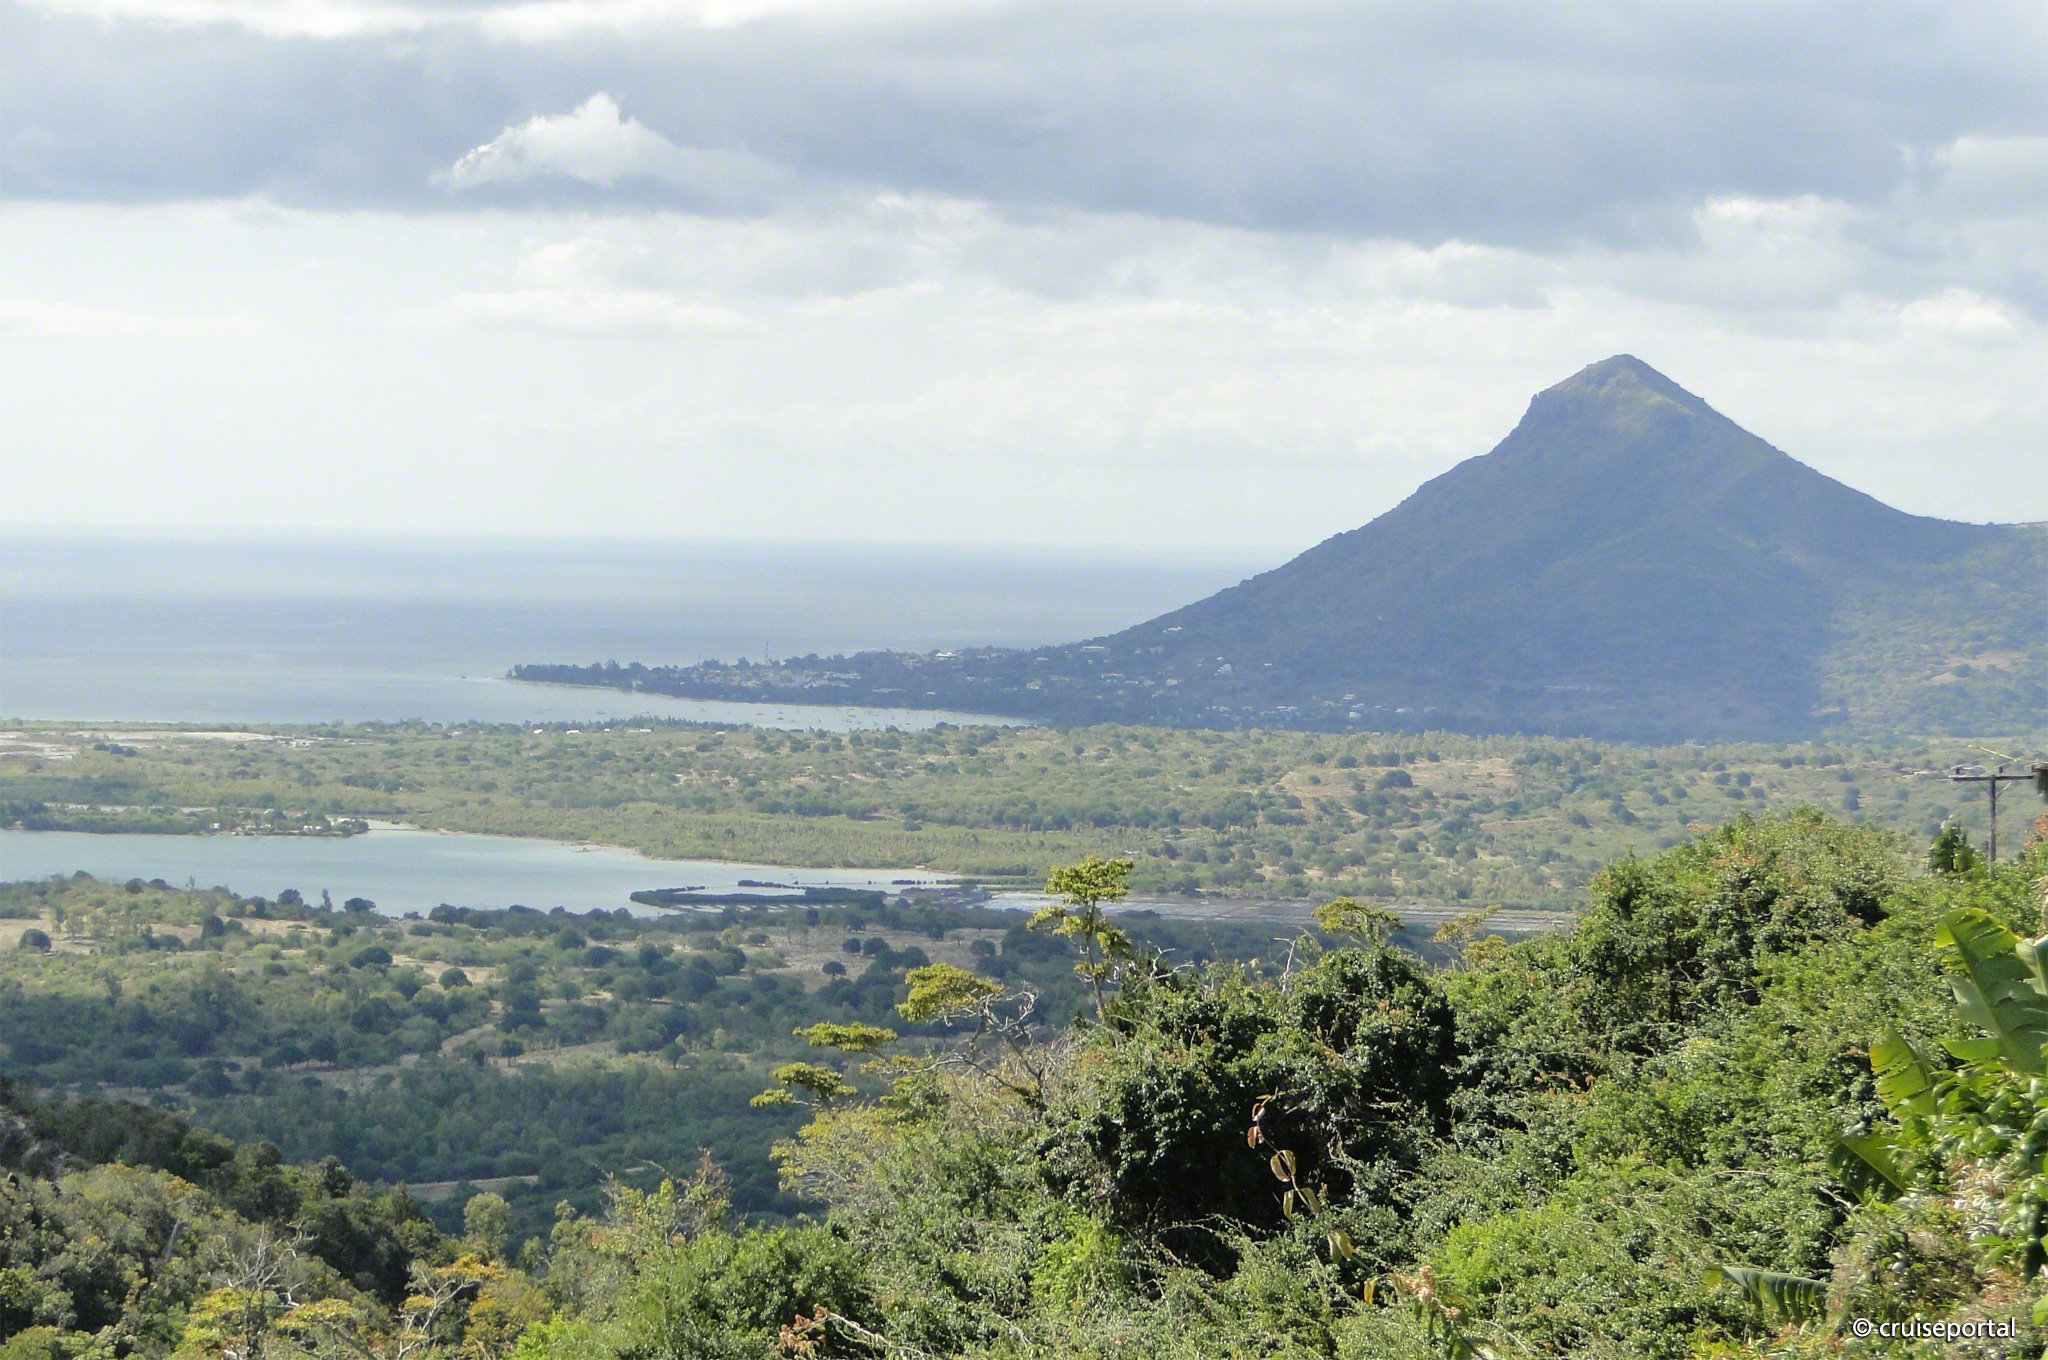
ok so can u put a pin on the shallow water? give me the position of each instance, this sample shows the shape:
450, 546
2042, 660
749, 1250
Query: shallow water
402, 869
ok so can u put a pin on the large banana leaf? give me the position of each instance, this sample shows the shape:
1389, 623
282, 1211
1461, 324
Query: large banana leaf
1975, 1052
1905, 1079
1793, 1297
1996, 990
2034, 954
1868, 1164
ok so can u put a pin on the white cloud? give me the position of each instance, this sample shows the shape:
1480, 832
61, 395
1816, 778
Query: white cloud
872, 363
584, 310
1994, 175
596, 144
1013, 268
1963, 315
516, 20
549, 20
599, 146
24, 319
271, 18
1535, 126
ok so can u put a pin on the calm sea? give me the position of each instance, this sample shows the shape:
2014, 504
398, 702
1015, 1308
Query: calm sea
100, 628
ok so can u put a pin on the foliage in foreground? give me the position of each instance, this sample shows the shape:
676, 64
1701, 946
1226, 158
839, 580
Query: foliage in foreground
1685, 1129
127, 1231
1621, 1142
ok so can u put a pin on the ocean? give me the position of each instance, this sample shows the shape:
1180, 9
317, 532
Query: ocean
320, 628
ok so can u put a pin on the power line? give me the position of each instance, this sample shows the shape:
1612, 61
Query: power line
1992, 780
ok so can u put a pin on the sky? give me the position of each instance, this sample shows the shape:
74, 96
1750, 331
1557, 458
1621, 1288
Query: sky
1162, 277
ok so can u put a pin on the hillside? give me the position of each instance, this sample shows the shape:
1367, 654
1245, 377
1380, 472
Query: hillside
1627, 563
1736, 1110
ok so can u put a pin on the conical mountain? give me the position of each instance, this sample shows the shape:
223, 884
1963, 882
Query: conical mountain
1628, 561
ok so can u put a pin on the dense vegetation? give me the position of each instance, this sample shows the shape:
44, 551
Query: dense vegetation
1761, 599
1734, 1111
1624, 1141
1439, 820
128, 1231
547, 1051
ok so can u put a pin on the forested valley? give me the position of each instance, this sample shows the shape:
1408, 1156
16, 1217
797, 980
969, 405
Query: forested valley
538, 1052
1778, 1080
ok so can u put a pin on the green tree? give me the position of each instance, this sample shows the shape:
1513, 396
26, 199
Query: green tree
1083, 889
823, 1085
1951, 852
487, 1221
1347, 916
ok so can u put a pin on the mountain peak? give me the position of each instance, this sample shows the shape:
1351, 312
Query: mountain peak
1619, 368
1622, 393
1627, 563
1618, 450
1627, 555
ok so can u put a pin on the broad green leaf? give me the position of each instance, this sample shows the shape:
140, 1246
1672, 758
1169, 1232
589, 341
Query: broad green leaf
1868, 1164
1793, 1297
1996, 989
1905, 1079
2034, 954
1976, 1052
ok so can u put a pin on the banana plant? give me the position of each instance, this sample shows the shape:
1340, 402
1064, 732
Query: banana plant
2001, 988
1873, 1164
1989, 1109
1795, 1298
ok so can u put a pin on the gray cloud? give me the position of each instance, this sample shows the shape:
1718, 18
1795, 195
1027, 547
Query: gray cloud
1509, 124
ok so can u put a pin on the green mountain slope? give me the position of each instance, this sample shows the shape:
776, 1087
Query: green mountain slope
1627, 560
1628, 563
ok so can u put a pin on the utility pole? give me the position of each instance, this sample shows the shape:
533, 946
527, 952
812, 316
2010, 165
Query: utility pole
1991, 780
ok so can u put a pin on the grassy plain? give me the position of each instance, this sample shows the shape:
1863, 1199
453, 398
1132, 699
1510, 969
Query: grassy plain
1431, 819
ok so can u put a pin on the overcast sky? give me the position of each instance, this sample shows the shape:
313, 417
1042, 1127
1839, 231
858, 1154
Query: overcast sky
1191, 276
